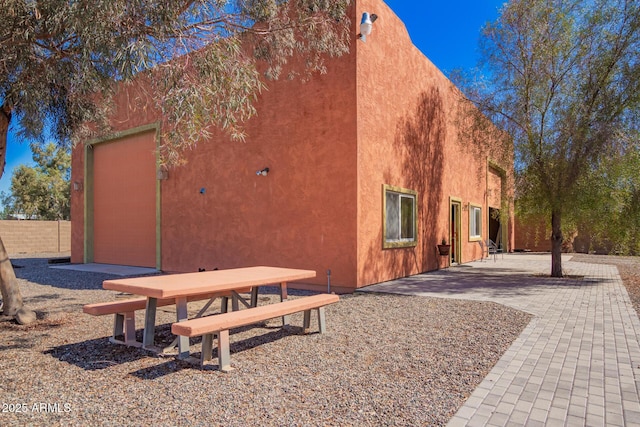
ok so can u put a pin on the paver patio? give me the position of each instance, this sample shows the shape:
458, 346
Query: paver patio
577, 362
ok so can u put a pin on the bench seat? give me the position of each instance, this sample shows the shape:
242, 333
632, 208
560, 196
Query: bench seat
124, 311
220, 324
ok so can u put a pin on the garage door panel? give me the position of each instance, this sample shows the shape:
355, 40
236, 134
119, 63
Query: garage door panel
124, 187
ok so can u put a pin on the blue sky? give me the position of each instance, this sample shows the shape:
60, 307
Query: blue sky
446, 31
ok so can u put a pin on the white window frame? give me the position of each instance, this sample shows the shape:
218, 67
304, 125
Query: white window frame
398, 240
475, 222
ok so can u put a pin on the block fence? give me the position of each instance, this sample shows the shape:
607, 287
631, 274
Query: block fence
26, 237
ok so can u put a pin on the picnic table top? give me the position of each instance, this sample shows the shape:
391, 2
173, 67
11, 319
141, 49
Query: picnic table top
185, 284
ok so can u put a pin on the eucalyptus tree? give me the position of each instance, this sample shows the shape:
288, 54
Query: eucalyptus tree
204, 61
563, 78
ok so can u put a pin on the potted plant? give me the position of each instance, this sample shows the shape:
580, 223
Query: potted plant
443, 248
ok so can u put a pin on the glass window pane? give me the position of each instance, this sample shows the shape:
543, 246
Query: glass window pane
392, 216
475, 221
408, 221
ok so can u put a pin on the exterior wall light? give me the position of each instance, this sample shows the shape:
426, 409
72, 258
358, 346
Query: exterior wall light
366, 25
263, 172
162, 174
77, 186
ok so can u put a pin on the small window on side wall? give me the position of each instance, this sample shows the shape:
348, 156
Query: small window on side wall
475, 222
400, 217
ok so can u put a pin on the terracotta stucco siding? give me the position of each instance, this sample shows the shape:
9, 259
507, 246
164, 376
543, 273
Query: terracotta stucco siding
408, 120
383, 114
301, 215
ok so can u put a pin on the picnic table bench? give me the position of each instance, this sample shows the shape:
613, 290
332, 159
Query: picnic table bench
220, 324
124, 321
179, 289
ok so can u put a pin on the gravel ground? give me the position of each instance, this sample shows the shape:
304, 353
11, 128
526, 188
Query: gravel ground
385, 360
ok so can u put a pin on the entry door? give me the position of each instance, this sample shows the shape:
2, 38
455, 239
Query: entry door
454, 238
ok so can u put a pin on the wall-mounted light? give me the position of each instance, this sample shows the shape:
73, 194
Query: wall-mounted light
263, 172
77, 186
366, 24
162, 173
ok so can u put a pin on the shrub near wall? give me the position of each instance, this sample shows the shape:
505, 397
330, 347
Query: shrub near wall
27, 237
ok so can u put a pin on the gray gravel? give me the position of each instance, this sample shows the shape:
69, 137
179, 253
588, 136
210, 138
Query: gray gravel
385, 360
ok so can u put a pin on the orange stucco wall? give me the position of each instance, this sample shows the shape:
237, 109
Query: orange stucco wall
408, 137
301, 215
217, 213
77, 204
383, 114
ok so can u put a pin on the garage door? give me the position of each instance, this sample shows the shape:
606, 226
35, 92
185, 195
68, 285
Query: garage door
124, 201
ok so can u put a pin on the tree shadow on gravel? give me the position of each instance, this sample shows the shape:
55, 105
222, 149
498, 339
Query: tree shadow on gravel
96, 354
100, 353
44, 322
494, 283
174, 365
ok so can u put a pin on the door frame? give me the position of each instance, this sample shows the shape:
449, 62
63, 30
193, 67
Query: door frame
88, 189
455, 230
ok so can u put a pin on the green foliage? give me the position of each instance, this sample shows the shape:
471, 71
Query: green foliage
563, 78
59, 60
608, 209
42, 191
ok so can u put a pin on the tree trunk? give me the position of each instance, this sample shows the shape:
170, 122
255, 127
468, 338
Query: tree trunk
11, 297
12, 304
556, 243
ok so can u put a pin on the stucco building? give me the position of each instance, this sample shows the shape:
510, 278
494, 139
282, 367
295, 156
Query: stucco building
367, 173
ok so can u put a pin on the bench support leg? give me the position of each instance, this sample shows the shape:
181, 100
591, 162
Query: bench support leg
125, 324
207, 348
234, 301
283, 297
149, 322
321, 320
224, 305
224, 357
254, 296
118, 325
306, 324
182, 314
129, 328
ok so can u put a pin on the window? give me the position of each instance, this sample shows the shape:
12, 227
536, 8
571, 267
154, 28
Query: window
475, 222
400, 216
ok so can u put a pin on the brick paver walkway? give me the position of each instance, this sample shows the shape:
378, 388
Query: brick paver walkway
576, 364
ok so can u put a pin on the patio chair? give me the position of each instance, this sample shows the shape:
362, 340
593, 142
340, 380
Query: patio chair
495, 250
484, 250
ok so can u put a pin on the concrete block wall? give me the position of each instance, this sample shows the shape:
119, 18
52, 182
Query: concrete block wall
26, 237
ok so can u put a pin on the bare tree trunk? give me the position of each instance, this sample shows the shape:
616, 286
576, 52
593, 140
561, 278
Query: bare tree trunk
12, 304
11, 297
556, 243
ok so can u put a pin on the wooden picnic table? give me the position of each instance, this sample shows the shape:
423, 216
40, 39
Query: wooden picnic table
187, 285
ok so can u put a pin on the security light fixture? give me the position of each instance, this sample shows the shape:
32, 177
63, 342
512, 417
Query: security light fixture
162, 174
263, 172
366, 24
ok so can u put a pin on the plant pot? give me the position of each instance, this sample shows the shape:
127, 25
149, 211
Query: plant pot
444, 249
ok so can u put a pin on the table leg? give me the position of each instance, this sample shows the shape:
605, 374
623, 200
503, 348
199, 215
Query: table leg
283, 297
149, 322
254, 296
182, 314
